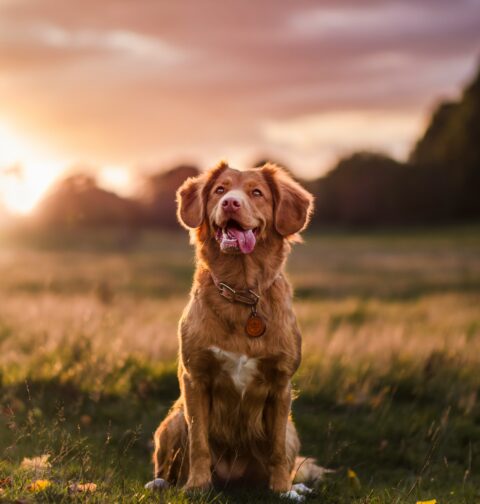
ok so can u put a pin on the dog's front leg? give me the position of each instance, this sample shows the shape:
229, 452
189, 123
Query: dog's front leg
197, 412
279, 411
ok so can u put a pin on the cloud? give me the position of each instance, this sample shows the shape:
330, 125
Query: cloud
121, 42
120, 82
386, 20
314, 142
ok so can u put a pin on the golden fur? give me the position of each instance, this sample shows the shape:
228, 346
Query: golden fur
215, 432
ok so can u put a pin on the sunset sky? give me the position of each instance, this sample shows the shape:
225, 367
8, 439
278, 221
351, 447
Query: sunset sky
126, 86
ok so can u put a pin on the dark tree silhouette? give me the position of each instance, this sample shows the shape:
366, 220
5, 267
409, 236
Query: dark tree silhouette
451, 144
439, 183
78, 201
157, 195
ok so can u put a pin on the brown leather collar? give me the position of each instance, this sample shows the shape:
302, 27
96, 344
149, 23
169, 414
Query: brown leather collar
247, 296
255, 325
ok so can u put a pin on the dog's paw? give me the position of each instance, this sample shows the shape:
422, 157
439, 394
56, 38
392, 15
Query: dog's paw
198, 485
293, 495
157, 484
280, 480
302, 489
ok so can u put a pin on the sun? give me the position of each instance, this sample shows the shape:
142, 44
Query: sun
116, 178
26, 171
21, 190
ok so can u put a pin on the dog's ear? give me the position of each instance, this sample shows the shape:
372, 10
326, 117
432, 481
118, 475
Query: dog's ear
193, 194
190, 206
293, 205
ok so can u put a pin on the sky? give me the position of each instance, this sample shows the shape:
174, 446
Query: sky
124, 87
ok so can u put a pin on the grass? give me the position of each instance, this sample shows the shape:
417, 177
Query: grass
387, 391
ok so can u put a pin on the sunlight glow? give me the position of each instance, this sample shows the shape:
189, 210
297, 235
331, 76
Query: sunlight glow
26, 171
342, 132
116, 178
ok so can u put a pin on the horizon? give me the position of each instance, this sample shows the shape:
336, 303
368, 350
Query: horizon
128, 91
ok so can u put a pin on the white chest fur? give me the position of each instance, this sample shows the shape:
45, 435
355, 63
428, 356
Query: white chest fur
240, 367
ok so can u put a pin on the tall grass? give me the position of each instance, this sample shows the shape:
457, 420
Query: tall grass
388, 386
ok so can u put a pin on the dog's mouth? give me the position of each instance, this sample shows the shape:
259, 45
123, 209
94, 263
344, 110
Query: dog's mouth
232, 237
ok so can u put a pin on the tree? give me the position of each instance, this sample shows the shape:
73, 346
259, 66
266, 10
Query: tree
451, 144
78, 201
157, 195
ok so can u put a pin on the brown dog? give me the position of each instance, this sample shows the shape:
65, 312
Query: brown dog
239, 340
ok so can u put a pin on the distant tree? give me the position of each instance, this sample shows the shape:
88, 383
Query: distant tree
440, 182
157, 195
78, 201
365, 188
373, 189
450, 148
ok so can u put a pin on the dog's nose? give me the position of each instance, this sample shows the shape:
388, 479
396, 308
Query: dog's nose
231, 204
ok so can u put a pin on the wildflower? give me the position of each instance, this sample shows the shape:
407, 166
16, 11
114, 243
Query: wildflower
353, 479
431, 501
352, 474
38, 486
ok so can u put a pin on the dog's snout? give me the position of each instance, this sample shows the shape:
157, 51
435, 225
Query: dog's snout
231, 204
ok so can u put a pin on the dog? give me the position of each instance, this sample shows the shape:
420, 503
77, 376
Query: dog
239, 340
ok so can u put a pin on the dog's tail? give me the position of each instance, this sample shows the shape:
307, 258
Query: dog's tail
307, 471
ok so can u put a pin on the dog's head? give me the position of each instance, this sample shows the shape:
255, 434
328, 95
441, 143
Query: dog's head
241, 208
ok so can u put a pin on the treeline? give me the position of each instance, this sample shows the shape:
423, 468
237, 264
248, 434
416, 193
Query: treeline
77, 201
439, 183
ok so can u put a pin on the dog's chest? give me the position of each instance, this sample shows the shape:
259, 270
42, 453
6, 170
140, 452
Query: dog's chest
239, 367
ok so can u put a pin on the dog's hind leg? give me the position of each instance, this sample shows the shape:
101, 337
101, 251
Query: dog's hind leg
171, 451
292, 447
303, 470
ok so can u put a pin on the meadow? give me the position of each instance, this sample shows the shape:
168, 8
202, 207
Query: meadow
388, 390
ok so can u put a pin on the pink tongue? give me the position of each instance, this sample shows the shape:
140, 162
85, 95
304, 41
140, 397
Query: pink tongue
246, 239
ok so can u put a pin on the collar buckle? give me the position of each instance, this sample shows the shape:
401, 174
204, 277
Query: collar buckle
248, 297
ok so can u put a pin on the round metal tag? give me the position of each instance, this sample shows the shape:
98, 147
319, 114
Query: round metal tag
255, 326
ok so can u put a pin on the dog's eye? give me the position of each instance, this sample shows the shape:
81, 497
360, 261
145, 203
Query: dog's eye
220, 190
257, 192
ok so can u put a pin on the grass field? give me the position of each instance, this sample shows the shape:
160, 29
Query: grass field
388, 391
